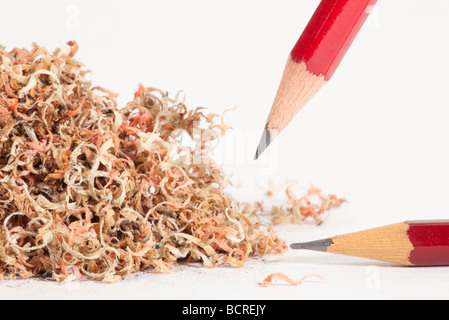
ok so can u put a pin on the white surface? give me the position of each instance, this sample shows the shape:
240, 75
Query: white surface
376, 134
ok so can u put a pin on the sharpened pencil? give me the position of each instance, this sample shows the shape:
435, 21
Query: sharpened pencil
410, 243
314, 59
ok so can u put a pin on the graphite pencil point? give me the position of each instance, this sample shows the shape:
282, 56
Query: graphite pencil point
319, 245
265, 141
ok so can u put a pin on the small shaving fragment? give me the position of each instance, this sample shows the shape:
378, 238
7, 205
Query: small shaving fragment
282, 276
311, 206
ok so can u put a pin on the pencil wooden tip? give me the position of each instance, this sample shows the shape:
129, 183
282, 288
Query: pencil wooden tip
298, 86
319, 245
265, 141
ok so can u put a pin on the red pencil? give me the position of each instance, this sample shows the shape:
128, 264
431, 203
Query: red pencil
411, 243
314, 59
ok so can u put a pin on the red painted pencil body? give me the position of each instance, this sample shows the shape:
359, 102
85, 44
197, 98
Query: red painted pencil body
330, 33
430, 240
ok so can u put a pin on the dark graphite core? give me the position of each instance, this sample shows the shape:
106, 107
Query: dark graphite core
319, 245
264, 142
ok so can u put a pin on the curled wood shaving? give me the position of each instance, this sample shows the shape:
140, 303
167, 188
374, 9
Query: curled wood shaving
282, 276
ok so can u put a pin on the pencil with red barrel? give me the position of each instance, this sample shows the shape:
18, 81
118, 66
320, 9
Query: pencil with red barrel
314, 60
410, 243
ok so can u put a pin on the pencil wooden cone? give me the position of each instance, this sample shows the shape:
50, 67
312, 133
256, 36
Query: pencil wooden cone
298, 86
389, 243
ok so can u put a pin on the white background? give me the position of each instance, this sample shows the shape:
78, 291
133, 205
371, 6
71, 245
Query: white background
377, 134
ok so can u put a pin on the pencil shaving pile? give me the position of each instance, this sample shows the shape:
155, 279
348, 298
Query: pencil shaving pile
88, 190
